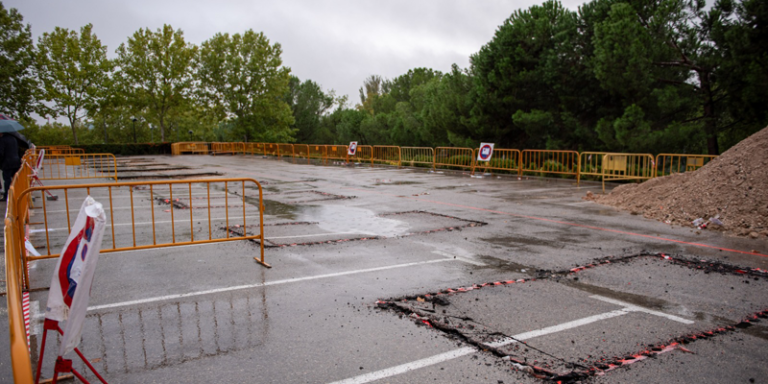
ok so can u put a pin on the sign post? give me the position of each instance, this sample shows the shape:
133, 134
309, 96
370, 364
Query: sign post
71, 287
351, 150
485, 152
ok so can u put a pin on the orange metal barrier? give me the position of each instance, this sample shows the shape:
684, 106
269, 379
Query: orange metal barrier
18, 220
301, 151
364, 153
285, 150
669, 163
450, 157
189, 147
253, 148
386, 154
318, 152
21, 362
78, 166
590, 164
503, 160
227, 148
271, 149
179, 201
417, 156
336, 152
627, 166
59, 150
543, 161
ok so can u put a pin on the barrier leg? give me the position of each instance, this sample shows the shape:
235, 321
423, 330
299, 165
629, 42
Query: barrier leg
63, 365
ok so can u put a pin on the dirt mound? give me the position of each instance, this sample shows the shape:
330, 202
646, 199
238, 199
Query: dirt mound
730, 193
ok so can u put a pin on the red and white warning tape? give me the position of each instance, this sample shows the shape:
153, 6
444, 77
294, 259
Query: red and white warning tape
25, 309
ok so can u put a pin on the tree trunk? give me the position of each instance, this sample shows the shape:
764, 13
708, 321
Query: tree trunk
710, 121
162, 129
74, 131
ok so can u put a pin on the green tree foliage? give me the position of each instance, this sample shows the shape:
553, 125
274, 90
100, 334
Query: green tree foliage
155, 73
662, 59
446, 112
243, 76
533, 87
18, 84
742, 38
349, 125
73, 70
614, 75
310, 105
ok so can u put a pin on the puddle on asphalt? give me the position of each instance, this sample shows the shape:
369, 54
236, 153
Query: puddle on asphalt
275, 208
339, 218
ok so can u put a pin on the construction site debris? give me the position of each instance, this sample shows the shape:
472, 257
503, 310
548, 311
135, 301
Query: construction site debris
731, 190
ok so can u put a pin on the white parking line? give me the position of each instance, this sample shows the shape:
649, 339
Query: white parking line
268, 283
443, 357
636, 308
464, 259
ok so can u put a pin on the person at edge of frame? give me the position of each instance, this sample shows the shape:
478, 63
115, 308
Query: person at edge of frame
10, 157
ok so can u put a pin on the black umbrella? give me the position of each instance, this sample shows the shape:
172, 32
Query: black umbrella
9, 125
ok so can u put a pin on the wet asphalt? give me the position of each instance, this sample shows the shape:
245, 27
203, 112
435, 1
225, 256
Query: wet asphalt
345, 240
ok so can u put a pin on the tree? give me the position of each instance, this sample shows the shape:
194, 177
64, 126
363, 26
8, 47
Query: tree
743, 39
663, 60
73, 70
528, 80
405, 103
373, 87
156, 72
17, 78
447, 106
242, 76
309, 104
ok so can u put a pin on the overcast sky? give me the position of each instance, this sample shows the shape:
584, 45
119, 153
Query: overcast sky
335, 43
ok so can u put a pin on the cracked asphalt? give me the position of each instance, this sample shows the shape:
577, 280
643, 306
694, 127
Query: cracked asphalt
360, 256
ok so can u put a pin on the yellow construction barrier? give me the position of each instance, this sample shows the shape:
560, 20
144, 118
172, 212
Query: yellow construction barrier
253, 148
337, 152
590, 164
227, 148
58, 213
198, 147
503, 160
319, 152
450, 157
301, 151
364, 153
272, 149
627, 166
669, 163
59, 150
386, 154
417, 156
78, 166
544, 161
285, 150
21, 362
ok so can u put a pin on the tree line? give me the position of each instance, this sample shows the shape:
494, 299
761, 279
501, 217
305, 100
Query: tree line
614, 75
